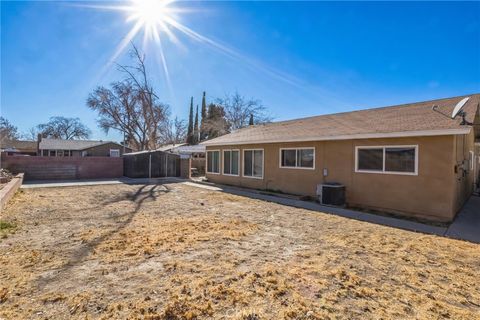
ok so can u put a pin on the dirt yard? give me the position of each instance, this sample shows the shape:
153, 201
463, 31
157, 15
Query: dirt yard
180, 252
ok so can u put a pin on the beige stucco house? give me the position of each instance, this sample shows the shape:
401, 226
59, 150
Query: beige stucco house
407, 159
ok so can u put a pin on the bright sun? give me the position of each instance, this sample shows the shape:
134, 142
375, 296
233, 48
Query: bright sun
152, 15
149, 12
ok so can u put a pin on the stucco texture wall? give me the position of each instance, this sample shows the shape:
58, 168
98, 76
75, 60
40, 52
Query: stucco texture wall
431, 194
104, 150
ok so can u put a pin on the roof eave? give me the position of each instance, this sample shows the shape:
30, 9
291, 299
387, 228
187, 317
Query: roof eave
402, 134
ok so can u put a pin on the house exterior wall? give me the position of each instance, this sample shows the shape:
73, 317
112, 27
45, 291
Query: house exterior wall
464, 174
104, 150
431, 194
97, 151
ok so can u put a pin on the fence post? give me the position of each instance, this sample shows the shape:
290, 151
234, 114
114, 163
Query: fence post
150, 166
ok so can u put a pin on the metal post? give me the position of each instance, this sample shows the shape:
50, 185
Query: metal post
150, 166
166, 165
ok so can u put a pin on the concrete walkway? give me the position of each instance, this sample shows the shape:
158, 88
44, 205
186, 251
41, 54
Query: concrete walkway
467, 223
309, 205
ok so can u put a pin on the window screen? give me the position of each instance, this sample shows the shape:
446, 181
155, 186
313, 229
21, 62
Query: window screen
400, 159
289, 158
253, 163
213, 162
297, 158
370, 159
230, 162
305, 158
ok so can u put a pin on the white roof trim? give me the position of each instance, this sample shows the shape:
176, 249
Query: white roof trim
402, 134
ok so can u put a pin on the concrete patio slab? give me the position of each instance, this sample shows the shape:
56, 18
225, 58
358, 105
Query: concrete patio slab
467, 223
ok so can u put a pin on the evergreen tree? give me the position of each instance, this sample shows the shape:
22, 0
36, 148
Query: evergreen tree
196, 136
216, 124
203, 131
190, 124
250, 122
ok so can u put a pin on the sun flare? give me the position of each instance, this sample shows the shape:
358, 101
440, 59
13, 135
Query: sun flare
160, 20
151, 14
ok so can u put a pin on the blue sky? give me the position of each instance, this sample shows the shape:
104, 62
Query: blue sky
299, 58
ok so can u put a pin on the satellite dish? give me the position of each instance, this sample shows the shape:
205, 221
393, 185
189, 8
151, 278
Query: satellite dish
459, 107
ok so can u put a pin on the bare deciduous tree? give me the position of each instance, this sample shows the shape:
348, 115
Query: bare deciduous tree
132, 107
64, 128
176, 132
31, 134
238, 110
7, 130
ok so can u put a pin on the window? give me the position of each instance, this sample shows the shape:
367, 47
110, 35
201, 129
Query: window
115, 153
231, 161
387, 159
253, 163
213, 161
52, 153
297, 158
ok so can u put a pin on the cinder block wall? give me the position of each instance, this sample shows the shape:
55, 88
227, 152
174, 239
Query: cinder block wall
185, 166
56, 168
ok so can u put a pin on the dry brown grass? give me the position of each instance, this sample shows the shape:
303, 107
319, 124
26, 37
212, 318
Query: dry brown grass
178, 252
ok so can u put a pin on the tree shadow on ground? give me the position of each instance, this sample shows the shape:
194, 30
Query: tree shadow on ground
142, 194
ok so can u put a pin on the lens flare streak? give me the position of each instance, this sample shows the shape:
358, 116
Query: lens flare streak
155, 17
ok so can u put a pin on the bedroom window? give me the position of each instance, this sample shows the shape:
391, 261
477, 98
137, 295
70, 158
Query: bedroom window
253, 163
300, 158
115, 153
213, 161
231, 162
387, 159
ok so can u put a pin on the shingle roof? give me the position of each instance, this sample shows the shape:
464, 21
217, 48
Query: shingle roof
19, 144
60, 144
186, 149
408, 119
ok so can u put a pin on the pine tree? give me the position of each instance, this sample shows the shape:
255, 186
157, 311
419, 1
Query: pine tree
203, 131
250, 122
196, 137
190, 124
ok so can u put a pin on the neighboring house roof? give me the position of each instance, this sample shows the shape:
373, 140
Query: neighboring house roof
169, 147
189, 149
165, 148
413, 119
60, 144
24, 145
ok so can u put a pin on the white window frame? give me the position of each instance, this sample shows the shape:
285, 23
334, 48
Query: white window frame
415, 146
296, 158
117, 150
253, 161
223, 163
219, 161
